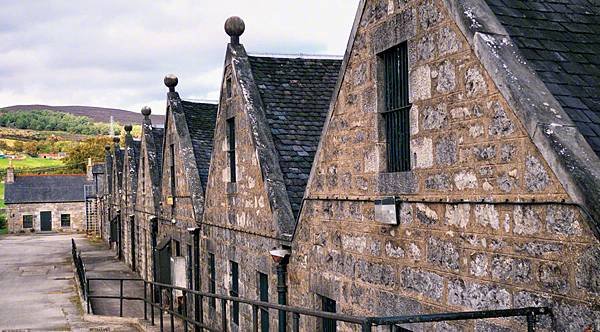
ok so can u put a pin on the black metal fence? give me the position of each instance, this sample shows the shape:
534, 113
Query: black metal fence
159, 298
79, 268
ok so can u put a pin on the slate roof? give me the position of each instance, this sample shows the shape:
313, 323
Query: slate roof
201, 119
158, 134
560, 40
296, 93
45, 189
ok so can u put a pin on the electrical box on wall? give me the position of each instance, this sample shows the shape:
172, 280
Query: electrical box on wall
169, 200
386, 211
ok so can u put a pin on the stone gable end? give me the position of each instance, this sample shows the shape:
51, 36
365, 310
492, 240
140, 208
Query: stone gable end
466, 144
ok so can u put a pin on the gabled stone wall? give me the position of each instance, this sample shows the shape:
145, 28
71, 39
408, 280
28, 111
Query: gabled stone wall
238, 223
145, 209
466, 144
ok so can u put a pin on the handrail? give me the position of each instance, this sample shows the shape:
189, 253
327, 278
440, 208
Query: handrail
366, 322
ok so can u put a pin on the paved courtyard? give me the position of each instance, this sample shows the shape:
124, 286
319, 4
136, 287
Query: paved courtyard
37, 287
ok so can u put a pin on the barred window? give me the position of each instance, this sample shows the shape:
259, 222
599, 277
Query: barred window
28, 221
397, 108
231, 152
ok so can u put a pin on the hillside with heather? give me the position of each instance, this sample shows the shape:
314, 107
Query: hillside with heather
96, 114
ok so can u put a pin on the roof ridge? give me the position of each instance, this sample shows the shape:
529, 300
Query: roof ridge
297, 56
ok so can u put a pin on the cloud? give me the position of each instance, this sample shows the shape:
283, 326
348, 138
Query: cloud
115, 53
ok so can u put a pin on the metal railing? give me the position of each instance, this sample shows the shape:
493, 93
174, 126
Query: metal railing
79, 268
154, 296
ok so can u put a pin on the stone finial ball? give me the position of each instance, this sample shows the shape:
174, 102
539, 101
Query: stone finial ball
234, 26
146, 111
128, 128
171, 81
116, 139
107, 147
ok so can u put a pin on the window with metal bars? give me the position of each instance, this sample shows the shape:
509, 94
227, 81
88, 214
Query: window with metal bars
172, 170
397, 107
234, 291
212, 285
231, 150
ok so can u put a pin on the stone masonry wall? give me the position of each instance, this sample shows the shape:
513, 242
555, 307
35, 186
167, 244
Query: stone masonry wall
466, 144
15, 214
183, 211
127, 202
238, 224
144, 210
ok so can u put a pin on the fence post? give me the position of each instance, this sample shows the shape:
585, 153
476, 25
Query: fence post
531, 322
366, 326
185, 311
152, 304
145, 300
224, 315
160, 308
296, 322
171, 306
254, 318
86, 296
121, 298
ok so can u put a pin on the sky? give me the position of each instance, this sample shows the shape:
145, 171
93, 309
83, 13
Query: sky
115, 53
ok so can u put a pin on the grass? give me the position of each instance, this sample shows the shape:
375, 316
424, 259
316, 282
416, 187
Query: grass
30, 162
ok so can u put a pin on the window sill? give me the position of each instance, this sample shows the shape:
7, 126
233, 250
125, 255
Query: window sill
397, 183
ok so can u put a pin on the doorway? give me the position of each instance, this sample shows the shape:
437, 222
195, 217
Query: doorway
45, 221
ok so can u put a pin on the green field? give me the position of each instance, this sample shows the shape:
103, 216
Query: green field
30, 162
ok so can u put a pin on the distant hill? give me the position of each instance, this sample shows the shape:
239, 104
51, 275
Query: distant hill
97, 114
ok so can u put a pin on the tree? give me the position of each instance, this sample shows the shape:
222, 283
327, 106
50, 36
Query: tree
92, 147
18, 146
31, 148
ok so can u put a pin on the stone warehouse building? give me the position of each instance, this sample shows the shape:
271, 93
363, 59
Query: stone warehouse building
131, 158
271, 113
458, 168
448, 163
47, 202
187, 147
147, 203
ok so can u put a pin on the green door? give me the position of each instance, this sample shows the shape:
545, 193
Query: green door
45, 221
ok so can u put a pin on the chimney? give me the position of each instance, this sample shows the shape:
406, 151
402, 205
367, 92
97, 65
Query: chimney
10, 173
90, 174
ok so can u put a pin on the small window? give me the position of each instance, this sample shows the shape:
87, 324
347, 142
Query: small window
65, 220
396, 114
212, 286
263, 294
172, 169
231, 152
328, 305
28, 221
234, 291
228, 90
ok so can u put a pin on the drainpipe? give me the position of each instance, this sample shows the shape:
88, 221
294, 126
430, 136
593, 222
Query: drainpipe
198, 315
281, 258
